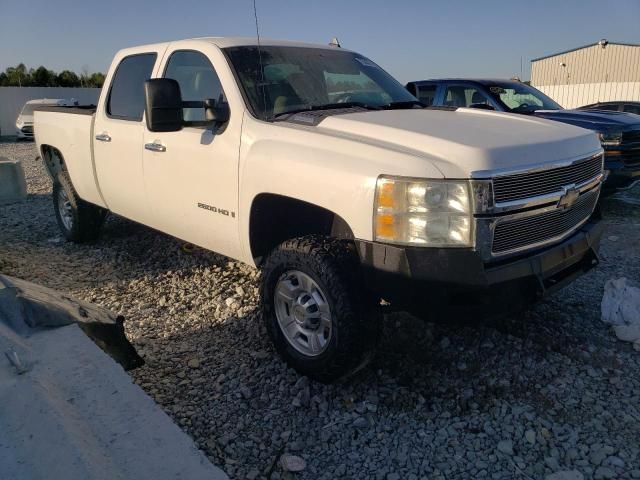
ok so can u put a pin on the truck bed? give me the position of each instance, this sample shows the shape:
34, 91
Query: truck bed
69, 130
78, 109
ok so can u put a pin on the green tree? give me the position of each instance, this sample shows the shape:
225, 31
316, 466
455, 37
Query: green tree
67, 78
41, 77
96, 80
18, 75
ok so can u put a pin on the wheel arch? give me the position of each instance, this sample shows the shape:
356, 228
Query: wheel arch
275, 218
53, 160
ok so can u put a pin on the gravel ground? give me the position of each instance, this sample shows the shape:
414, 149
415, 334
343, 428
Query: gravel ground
543, 392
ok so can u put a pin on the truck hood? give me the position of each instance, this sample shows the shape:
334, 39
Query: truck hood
597, 120
466, 140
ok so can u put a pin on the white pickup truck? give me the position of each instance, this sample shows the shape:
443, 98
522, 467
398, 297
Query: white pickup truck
315, 165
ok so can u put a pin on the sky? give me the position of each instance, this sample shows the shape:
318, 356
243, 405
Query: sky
412, 39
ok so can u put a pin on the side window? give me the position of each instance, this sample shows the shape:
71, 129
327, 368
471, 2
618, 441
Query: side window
457, 96
197, 78
607, 106
126, 96
427, 94
632, 109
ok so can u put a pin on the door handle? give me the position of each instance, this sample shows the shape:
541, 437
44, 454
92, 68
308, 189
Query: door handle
103, 137
155, 147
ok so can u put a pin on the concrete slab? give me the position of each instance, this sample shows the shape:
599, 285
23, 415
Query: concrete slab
26, 308
13, 186
68, 410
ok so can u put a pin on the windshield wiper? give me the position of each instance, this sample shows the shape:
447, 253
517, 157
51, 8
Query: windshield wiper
326, 106
401, 105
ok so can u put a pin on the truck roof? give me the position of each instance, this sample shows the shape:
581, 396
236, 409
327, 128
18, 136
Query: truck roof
226, 42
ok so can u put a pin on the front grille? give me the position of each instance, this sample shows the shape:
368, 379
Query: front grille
631, 159
538, 229
28, 130
631, 137
519, 186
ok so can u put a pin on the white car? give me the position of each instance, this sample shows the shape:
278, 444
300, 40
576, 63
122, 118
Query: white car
315, 165
24, 122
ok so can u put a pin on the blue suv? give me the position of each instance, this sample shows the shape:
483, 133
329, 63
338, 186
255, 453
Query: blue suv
619, 132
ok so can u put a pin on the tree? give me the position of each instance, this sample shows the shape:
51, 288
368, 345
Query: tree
42, 77
67, 78
96, 80
20, 76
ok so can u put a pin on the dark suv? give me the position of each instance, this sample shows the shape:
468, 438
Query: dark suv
619, 132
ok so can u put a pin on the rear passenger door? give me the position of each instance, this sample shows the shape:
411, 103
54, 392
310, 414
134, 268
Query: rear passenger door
118, 136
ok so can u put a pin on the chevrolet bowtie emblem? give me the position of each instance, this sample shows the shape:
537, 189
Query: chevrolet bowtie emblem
568, 198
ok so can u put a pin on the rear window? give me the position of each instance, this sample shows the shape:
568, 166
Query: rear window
126, 97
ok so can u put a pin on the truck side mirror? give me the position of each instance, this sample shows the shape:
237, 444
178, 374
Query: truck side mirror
163, 105
216, 112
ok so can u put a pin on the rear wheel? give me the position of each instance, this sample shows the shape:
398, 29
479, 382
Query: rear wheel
78, 220
316, 312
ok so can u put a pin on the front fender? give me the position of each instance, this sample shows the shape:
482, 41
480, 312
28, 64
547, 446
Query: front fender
332, 172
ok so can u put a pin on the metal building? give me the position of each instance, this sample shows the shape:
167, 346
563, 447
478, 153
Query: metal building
600, 72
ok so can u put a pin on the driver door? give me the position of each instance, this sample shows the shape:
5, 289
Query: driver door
192, 175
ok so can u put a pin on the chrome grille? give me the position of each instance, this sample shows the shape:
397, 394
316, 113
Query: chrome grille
519, 186
538, 229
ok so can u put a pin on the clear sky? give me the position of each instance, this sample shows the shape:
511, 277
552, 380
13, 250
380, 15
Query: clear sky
412, 39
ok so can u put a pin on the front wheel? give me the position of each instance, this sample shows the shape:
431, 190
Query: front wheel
78, 220
316, 311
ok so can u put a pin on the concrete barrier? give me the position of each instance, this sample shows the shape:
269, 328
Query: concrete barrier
13, 186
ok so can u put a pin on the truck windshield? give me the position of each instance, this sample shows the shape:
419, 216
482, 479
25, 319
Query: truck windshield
521, 98
295, 79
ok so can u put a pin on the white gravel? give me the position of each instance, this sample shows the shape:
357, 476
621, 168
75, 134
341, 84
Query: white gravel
547, 392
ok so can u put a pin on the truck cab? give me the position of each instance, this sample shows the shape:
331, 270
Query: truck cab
315, 165
618, 132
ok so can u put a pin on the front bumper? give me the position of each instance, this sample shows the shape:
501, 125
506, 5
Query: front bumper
623, 165
26, 131
406, 274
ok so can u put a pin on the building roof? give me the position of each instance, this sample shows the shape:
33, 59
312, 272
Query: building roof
584, 46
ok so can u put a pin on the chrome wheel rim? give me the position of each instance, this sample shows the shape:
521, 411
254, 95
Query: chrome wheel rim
303, 313
65, 210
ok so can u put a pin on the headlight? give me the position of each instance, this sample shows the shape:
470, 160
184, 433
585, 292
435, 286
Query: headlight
423, 212
610, 138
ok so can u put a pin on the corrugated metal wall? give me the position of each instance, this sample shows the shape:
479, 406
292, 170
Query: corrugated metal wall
12, 99
590, 74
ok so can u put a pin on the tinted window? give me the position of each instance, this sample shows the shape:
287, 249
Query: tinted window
126, 98
606, 106
632, 109
464, 97
198, 81
427, 94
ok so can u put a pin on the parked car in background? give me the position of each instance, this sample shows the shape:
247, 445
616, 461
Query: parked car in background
619, 132
24, 122
315, 165
618, 106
